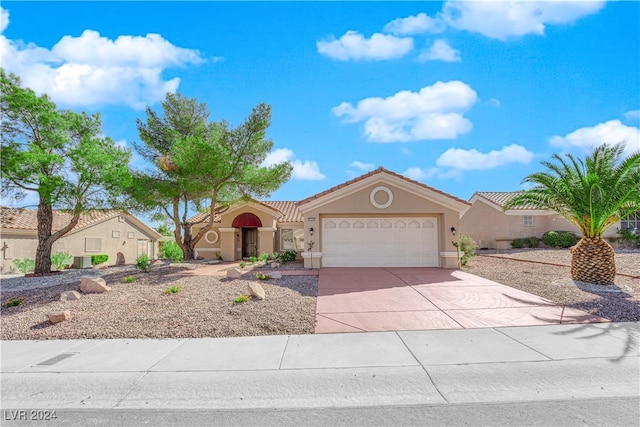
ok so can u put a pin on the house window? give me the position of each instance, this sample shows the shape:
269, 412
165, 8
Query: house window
92, 244
115, 234
528, 220
291, 238
130, 235
631, 222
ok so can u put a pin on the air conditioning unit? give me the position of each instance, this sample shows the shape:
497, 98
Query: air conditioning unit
81, 262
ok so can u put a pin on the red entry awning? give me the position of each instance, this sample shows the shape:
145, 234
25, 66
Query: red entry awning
246, 219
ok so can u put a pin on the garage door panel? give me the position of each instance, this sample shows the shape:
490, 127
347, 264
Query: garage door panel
387, 242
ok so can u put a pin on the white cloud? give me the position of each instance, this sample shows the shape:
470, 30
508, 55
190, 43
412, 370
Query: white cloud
504, 19
420, 23
93, 70
305, 171
493, 101
418, 174
4, 19
434, 112
354, 46
364, 167
610, 132
473, 159
632, 115
440, 51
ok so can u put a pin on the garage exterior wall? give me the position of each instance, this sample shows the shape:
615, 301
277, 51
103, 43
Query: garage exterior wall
405, 203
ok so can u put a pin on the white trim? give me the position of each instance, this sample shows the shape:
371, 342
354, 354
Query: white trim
449, 254
206, 236
372, 197
311, 254
267, 229
530, 212
227, 229
384, 178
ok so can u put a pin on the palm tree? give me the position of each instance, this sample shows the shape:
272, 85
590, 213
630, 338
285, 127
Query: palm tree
593, 194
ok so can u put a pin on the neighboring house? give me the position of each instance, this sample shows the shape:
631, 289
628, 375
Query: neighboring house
378, 219
122, 236
491, 227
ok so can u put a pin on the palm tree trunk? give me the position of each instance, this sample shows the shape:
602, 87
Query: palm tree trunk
593, 261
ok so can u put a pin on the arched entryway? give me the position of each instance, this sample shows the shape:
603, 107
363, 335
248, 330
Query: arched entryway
249, 224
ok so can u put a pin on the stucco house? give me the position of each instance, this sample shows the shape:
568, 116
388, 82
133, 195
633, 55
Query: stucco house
120, 235
491, 227
378, 219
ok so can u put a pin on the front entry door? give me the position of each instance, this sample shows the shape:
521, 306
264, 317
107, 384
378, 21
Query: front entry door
249, 242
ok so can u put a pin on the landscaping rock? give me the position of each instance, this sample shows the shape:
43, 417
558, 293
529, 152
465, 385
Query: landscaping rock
60, 316
102, 266
91, 284
234, 273
70, 296
275, 275
256, 290
275, 265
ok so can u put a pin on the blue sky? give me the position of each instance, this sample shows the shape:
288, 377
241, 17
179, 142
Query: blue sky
464, 97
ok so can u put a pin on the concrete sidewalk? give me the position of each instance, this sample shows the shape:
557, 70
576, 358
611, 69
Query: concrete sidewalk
440, 367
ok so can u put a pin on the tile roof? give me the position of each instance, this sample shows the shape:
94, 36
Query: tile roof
26, 219
500, 198
288, 209
375, 172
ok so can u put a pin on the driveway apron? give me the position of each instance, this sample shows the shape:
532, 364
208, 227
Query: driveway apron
399, 299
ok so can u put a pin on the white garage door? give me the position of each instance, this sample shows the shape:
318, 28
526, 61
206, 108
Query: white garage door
379, 242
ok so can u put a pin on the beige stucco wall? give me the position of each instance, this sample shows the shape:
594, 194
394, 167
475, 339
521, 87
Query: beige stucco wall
404, 204
229, 244
24, 246
493, 229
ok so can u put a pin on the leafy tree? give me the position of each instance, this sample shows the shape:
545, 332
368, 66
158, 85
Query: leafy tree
593, 194
59, 155
201, 165
164, 229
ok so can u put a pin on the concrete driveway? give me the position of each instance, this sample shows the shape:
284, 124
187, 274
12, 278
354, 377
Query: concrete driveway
397, 299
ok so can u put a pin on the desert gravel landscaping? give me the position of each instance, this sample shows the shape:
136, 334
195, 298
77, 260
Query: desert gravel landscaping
619, 303
204, 305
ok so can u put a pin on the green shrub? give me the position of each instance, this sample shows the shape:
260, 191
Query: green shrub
143, 263
252, 259
262, 276
61, 260
274, 256
559, 239
24, 266
99, 259
242, 298
171, 250
628, 238
525, 242
263, 257
468, 248
172, 290
242, 264
14, 302
129, 279
288, 256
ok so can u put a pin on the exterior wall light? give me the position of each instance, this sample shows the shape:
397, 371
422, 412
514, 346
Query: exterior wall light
311, 231
453, 231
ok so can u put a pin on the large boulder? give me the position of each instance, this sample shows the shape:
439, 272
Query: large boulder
93, 284
60, 316
256, 290
70, 296
234, 273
